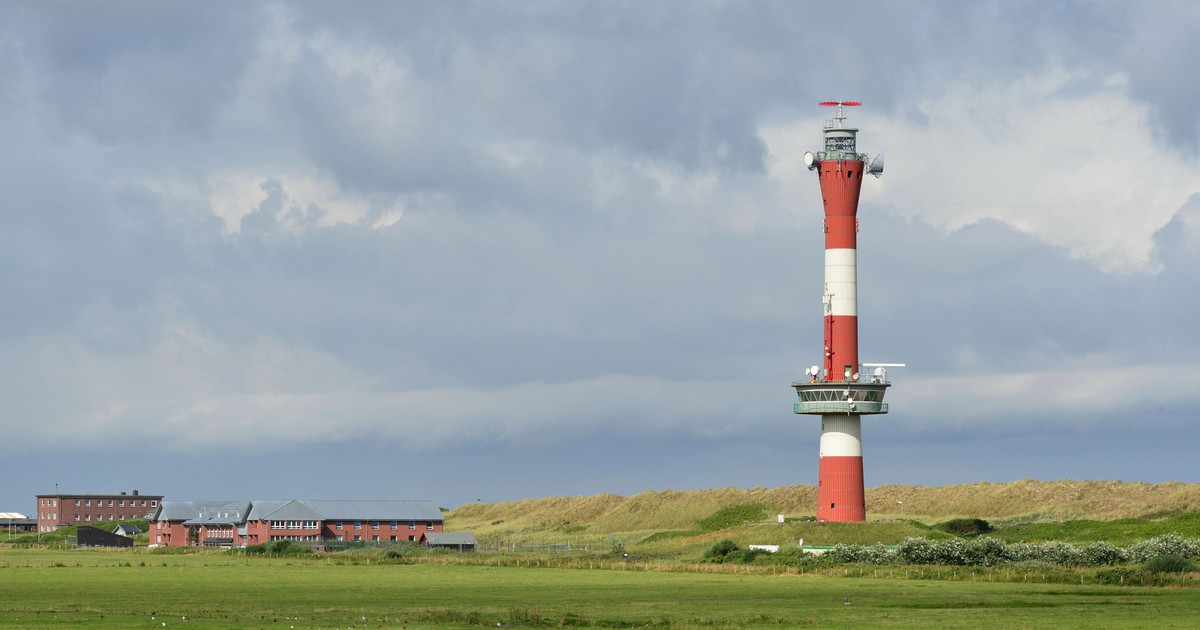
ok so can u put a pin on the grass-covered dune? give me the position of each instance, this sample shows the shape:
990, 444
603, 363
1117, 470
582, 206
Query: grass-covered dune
680, 513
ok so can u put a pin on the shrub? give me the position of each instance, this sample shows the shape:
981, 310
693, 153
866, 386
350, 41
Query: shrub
1168, 563
986, 551
1167, 544
1103, 554
967, 527
744, 555
916, 551
278, 548
720, 549
860, 554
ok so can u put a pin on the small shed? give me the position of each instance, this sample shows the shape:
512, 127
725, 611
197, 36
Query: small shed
89, 536
127, 529
462, 541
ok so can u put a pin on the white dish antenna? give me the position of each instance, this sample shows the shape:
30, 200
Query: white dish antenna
810, 161
876, 166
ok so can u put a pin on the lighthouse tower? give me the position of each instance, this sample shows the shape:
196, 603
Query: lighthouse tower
839, 391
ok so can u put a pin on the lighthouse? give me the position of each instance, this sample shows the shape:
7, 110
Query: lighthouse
841, 390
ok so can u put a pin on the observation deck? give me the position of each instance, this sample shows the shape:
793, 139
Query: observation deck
823, 397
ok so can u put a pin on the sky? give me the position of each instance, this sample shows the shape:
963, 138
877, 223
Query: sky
486, 251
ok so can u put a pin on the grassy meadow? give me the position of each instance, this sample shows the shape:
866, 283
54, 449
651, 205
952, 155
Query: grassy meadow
42, 588
609, 561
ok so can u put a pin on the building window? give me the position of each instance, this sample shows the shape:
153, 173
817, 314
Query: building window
357, 525
412, 525
76, 518
89, 518
338, 524
374, 524
110, 503
394, 527
375, 538
76, 502
88, 503
411, 538
153, 503
121, 503
357, 538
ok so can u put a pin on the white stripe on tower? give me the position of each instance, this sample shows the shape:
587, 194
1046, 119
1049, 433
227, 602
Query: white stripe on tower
841, 435
841, 280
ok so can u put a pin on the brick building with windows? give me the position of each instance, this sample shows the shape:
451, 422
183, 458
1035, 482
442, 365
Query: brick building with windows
57, 510
239, 523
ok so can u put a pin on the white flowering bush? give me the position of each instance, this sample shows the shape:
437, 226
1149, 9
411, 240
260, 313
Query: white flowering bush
1167, 544
916, 551
987, 552
1103, 554
860, 554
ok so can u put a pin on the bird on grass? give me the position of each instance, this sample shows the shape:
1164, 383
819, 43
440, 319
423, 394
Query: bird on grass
846, 602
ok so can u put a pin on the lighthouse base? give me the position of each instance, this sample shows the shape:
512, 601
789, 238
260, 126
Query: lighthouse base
840, 490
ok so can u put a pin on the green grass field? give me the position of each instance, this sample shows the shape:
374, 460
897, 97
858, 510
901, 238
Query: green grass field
139, 589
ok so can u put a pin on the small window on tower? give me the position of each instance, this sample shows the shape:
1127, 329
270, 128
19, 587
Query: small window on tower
832, 505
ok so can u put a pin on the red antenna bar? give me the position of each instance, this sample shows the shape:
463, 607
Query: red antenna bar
838, 103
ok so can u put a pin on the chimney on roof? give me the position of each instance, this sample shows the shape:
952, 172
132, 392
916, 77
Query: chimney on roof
121, 493
135, 492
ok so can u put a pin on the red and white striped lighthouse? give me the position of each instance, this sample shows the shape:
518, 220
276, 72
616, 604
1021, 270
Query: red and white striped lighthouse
837, 390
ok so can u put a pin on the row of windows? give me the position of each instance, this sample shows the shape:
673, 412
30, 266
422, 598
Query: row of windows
412, 525
100, 503
100, 517
375, 524
376, 538
293, 524
835, 395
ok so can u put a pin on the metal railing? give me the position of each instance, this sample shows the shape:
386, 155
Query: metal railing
841, 406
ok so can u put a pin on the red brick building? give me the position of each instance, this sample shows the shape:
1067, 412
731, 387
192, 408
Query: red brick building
57, 510
239, 523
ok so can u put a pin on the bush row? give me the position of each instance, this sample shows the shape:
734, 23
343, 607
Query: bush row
988, 551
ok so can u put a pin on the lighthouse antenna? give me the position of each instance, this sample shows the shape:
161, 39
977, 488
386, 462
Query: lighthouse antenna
841, 105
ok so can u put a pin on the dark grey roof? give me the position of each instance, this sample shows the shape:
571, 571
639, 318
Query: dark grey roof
376, 510
200, 511
450, 538
230, 512
282, 511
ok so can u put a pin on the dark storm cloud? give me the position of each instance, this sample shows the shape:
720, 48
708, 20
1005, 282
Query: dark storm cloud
588, 235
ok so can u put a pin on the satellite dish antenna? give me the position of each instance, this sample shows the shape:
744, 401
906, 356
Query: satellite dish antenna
876, 166
854, 377
810, 160
815, 370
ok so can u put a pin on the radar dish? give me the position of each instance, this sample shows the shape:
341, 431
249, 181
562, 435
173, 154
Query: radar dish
876, 167
815, 370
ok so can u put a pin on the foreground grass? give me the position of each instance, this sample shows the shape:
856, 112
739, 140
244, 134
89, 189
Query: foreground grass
75, 588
